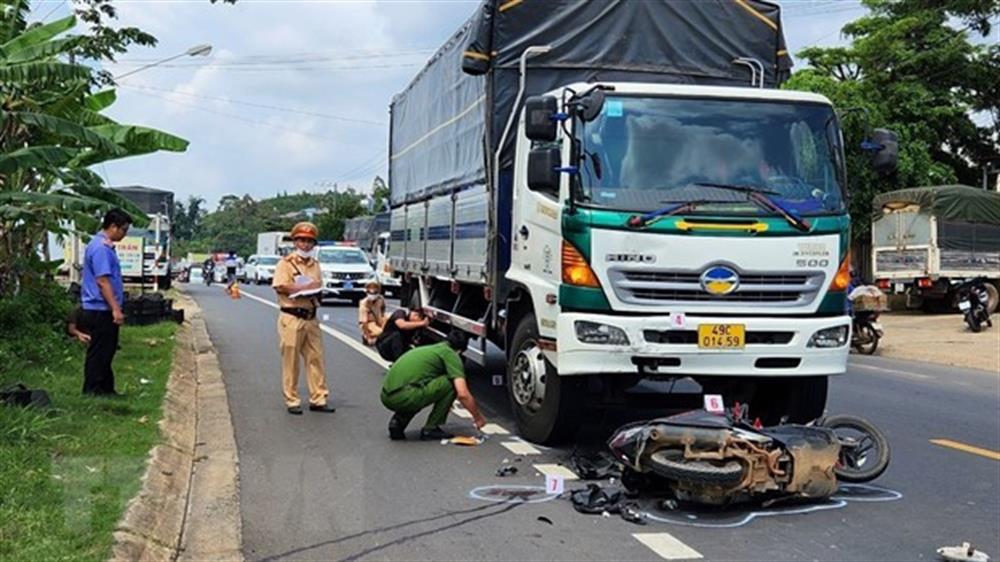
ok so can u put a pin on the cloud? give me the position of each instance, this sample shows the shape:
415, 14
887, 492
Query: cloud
322, 60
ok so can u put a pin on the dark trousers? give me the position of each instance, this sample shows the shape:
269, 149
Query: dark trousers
98, 378
409, 400
391, 346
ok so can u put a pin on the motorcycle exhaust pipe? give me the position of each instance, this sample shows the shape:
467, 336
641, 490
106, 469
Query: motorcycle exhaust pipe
695, 437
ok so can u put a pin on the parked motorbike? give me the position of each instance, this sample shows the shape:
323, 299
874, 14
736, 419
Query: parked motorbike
723, 459
973, 299
866, 331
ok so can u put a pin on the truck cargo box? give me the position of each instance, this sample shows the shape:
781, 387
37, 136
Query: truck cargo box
445, 126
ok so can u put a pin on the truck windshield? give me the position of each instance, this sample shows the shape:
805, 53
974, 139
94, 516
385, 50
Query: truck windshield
342, 256
654, 151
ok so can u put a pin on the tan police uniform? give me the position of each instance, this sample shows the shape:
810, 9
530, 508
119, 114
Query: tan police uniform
299, 333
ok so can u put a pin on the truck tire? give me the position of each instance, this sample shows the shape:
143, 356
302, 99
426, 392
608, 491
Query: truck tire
801, 399
546, 406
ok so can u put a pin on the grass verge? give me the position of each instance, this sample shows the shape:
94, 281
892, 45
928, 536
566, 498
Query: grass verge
68, 473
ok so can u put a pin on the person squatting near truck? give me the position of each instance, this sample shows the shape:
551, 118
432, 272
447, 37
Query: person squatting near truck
298, 328
430, 375
371, 313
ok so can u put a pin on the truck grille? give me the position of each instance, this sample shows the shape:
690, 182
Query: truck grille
667, 286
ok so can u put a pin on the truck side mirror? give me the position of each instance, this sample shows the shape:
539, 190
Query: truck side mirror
539, 122
591, 105
543, 170
884, 146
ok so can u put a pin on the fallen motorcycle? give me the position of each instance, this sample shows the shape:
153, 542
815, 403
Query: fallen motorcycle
722, 459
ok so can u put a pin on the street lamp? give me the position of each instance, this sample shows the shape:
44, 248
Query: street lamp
196, 51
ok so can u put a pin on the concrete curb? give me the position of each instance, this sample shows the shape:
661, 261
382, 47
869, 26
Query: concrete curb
188, 505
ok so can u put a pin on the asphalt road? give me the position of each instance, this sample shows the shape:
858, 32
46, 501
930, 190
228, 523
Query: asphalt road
333, 487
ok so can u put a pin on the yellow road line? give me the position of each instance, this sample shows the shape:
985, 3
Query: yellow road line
995, 455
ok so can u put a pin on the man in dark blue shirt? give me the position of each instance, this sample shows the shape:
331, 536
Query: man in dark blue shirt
101, 298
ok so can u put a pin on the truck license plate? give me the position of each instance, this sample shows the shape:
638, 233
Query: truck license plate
721, 336
897, 288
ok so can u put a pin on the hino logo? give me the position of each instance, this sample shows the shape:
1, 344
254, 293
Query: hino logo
633, 258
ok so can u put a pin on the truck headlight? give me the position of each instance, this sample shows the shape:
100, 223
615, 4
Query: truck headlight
592, 332
829, 337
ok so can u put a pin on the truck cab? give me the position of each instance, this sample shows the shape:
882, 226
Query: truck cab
704, 235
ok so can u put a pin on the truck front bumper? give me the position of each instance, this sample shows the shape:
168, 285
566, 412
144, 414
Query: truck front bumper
775, 347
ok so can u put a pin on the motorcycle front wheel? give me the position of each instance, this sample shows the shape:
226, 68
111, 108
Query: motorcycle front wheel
973, 321
864, 449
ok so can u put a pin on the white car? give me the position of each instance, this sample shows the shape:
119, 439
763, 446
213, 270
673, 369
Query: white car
260, 269
346, 271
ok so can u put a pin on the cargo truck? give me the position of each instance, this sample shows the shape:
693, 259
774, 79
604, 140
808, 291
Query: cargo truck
927, 240
617, 191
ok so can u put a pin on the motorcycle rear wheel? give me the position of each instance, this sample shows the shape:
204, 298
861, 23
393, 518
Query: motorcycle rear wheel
855, 464
670, 464
867, 339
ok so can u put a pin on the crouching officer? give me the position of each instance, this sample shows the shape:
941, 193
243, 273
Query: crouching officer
298, 329
432, 374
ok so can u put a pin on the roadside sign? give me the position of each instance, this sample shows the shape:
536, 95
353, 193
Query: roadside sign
129, 252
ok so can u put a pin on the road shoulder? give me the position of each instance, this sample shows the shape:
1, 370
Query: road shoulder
188, 505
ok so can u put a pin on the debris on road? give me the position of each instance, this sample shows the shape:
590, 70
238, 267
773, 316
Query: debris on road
508, 470
632, 513
963, 553
463, 440
544, 519
593, 499
595, 466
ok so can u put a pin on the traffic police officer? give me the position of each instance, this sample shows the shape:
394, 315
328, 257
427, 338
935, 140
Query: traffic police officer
298, 329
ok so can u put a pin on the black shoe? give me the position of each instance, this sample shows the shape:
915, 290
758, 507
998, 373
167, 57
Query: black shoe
434, 434
324, 408
397, 426
296, 410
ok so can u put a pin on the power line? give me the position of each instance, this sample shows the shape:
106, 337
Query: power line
340, 54
293, 68
239, 117
53, 10
286, 59
259, 105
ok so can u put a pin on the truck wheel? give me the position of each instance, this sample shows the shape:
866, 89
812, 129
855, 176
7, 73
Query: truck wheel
546, 406
801, 399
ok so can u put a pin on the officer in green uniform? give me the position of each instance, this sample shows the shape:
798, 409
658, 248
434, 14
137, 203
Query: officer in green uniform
431, 374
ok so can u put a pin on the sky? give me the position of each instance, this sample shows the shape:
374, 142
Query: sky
294, 95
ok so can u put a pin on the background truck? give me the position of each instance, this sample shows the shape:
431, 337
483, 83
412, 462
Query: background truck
926, 240
371, 234
614, 192
273, 244
158, 205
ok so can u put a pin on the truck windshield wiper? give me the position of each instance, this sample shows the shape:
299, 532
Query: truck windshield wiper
762, 198
641, 221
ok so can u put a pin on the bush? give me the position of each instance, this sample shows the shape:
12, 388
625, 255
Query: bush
32, 325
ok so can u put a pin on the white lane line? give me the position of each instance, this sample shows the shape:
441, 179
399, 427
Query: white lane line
353, 343
556, 470
667, 547
893, 371
494, 429
519, 448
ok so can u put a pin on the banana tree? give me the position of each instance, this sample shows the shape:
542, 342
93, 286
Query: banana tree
52, 130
